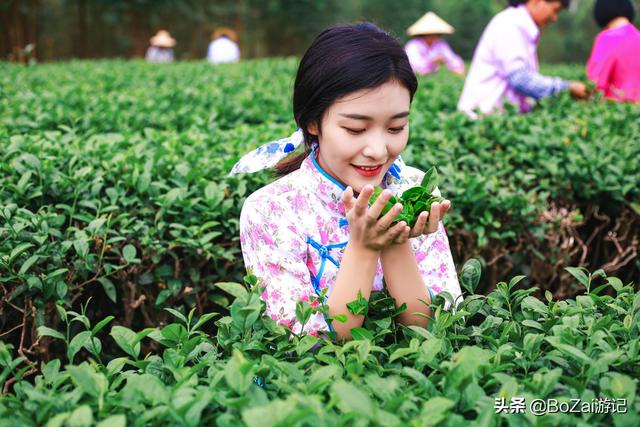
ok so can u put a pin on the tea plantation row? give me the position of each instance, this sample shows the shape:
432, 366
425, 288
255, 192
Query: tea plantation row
469, 368
113, 187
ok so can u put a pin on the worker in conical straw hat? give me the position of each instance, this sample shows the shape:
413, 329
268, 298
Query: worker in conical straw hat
161, 49
224, 46
427, 50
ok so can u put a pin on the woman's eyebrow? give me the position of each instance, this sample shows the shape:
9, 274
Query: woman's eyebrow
362, 117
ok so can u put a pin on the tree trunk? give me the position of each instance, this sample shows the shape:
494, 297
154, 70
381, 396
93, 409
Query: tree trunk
139, 27
32, 28
5, 33
18, 31
83, 26
238, 25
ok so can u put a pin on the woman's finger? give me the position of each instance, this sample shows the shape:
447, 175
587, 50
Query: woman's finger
403, 236
434, 218
347, 199
444, 208
385, 222
362, 202
421, 223
396, 231
380, 203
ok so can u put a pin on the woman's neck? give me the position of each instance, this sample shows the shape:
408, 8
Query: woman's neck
618, 22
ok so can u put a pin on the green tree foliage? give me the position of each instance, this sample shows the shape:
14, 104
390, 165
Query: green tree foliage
107, 28
469, 17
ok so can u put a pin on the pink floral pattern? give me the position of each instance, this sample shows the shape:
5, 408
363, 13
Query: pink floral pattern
277, 220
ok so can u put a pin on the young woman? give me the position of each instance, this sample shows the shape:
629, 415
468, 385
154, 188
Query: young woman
314, 227
614, 64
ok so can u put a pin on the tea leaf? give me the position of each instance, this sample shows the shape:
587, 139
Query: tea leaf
77, 343
579, 275
360, 306
177, 314
470, 275
352, 400
430, 180
125, 339
235, 289
81, 417
44, 331
129, 253
534, 304
361, 334
28, 263
113, 421
109, 288
19, 250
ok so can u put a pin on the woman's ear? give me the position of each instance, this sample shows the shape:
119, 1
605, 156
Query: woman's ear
312, 128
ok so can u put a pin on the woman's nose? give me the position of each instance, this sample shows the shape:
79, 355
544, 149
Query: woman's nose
376, 149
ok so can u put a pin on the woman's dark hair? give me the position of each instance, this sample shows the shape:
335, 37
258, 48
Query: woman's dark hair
606, 11
565, 3
341, 60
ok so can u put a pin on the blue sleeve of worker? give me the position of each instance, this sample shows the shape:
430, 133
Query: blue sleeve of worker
535, 85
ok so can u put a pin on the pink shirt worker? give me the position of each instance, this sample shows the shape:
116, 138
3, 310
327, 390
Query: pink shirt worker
427, 50
614, 64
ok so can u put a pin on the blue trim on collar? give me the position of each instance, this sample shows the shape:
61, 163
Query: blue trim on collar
329, 177
394, 170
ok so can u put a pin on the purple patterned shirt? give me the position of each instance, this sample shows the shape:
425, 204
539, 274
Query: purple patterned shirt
294, 230
508, 44
423, 58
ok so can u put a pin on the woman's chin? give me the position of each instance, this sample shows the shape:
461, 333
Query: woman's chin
359, 183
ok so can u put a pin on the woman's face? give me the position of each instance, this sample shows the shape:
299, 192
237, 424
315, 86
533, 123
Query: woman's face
431, 38
363, 133
543, 12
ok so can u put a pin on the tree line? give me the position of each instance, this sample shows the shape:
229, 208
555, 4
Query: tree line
64, 29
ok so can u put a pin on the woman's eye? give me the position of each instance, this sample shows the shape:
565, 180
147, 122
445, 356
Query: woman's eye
354, 131
396, 130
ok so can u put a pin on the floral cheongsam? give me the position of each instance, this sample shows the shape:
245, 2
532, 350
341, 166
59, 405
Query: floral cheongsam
293, 233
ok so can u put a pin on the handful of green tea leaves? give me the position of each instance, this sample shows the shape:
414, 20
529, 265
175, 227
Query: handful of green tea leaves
414, 200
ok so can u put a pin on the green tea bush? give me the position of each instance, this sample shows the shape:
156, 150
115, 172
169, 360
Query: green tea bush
113, 187
506, 345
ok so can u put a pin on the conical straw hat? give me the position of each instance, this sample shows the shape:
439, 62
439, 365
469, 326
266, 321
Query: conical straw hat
162, 39
430, 23
225, 31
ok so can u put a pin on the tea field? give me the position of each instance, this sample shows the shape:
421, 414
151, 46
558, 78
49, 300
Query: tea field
124, 299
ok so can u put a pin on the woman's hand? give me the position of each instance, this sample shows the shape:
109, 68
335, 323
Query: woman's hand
427, 222
367, 231
578, 90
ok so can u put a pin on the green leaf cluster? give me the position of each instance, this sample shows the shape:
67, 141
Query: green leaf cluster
255, 372
414, 200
